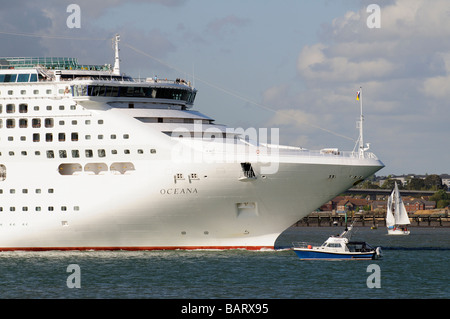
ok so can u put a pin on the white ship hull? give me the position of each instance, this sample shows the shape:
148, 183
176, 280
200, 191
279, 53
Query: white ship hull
147, 209
103, 173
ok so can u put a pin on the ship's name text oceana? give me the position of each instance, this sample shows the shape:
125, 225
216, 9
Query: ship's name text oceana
177, 191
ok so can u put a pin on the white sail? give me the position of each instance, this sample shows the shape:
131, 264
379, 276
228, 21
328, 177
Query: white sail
396, 211
401, 216
390, 220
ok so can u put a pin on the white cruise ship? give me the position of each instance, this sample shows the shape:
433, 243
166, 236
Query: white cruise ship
93, 159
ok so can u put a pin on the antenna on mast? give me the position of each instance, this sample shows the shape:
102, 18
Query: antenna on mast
116, 70
362, 149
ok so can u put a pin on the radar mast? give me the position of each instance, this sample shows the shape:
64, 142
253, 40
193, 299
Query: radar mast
116, 70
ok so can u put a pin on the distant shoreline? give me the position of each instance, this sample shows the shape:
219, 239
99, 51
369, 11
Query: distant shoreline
314, 220
444, 225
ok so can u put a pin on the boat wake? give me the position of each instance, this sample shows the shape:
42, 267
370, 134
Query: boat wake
414, 248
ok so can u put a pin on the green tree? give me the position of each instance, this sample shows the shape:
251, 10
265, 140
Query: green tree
415, 184
441, 198
440, 195
390, 183
442, 203
433, 182
367, 184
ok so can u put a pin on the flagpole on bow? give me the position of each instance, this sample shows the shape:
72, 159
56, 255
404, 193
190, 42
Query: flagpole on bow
361, 120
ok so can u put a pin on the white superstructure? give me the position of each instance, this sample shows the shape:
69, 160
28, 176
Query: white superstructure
93, 159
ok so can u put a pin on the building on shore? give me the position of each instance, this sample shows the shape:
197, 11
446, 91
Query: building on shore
342, 204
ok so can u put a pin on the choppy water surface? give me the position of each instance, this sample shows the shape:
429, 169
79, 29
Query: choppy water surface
414, 266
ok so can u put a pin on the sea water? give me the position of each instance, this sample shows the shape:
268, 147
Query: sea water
415, 266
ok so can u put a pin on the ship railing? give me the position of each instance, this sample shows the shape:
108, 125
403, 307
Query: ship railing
295, 151
165, 80
302, 244
127, 79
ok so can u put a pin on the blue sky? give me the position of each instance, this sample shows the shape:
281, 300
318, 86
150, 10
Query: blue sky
293, 64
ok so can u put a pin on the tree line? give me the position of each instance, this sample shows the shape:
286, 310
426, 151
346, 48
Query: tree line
429, 183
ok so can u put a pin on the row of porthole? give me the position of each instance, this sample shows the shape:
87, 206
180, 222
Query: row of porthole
37, 122
23, 108
246, 232
25, 190
351, 176
204, 233
74, 137
35, 92
76, 153
89, 153
39, 208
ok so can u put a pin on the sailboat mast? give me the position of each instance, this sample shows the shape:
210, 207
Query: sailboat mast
397, 205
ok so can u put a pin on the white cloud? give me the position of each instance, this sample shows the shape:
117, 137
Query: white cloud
297, 118
404, 69
314, 64
438, 87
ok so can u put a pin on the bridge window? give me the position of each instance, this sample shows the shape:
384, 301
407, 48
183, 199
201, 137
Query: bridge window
26, 77
23, 77
181, 94
8, 77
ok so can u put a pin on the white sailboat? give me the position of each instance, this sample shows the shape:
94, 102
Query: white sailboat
396, 217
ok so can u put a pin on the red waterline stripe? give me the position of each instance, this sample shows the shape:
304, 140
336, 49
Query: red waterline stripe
136, 248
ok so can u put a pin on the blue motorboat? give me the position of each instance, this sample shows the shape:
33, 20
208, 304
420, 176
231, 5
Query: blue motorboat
337, 248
